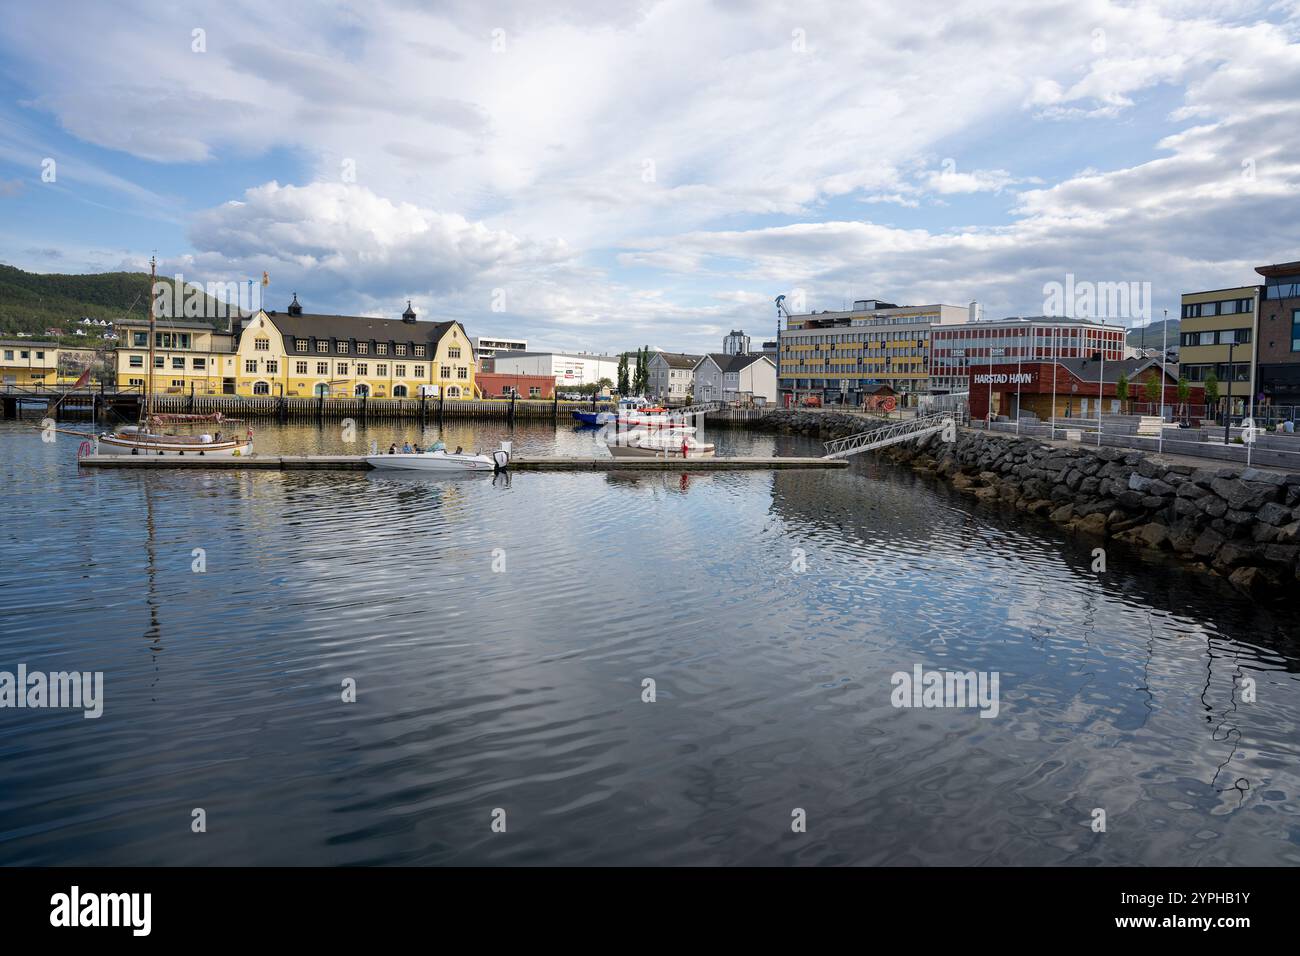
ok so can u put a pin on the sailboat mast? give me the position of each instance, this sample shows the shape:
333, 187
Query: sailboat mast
153, 327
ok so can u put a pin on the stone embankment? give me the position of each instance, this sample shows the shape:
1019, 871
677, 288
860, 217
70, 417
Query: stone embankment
1242, 523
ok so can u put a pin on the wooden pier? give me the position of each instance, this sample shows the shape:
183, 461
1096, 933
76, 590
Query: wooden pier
359, 463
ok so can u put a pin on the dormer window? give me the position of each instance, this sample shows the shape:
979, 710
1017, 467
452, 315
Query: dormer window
381, 348
363, 348
401, 349
343, 348
322, 346
300, 345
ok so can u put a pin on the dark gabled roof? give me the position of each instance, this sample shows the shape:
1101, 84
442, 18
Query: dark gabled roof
360, 329
734, 363
679, 359
1090, 370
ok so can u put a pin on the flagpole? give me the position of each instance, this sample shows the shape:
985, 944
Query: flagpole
1055, 331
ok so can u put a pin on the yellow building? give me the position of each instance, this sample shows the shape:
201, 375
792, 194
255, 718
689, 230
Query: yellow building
25, 363
1212, 322
188, 356
296, 354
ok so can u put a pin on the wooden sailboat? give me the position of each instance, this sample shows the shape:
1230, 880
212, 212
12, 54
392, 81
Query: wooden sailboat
147, 437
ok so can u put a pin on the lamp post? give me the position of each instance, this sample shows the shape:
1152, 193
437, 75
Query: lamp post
1164, 343
1227, 398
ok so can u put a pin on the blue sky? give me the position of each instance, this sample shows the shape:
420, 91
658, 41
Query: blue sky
652, 172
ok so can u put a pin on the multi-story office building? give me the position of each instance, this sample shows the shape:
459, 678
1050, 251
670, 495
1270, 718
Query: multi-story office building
956, 349
569, 369
486, 349
835, 356
1279, 333
1216, 325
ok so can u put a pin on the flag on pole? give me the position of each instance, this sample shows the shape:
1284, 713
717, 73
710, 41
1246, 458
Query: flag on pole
266, 279
85, 377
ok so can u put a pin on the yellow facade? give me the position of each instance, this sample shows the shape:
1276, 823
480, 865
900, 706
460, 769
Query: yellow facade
28, 364
1204, 339
267, 361
188, 357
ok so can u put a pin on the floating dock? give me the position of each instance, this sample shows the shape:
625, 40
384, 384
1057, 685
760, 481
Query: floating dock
359, 463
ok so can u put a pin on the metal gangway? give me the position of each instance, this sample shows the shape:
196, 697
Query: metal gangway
699, 408
890, 434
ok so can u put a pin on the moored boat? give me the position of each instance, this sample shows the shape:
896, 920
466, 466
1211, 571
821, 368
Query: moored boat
443, 461
645, 443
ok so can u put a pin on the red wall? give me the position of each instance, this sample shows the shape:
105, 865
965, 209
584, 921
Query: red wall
1040, 383
490, 384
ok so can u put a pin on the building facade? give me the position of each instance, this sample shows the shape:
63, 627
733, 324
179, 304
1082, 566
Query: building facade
499, 385
719, 377
736, 343
836, 355
671, 376
1216, 325
956, 349
486, 349
188, 356
567, 369
297, 354
28, 363
1081, 388
1279, 334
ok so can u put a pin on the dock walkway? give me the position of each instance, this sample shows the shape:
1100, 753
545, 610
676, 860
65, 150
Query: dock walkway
359, 463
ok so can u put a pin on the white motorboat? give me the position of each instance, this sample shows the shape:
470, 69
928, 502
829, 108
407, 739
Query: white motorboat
443, 461
655, 444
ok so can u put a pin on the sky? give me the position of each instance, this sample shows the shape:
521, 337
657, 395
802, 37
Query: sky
603, 175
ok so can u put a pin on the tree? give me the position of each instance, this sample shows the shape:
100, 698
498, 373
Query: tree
624, 382
1121, 389
1152, 388
1210, 392
642, 377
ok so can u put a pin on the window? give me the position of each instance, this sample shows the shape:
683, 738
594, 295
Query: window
399, 391
419, 351
1207, 338
419, 371
137, 361
178, 362
399, 349
178, 383
381, 370
462, 372
262, 345
250, 366
138, 339
261, 388
343, 348
200, 363
300, 345
342, 368
361, 368
381, 348
1295, 330
453, 352
135, 382
534, 391
158, 361
322, 347
445, 371
300, 368
363, 348
399, 371
322, 368
272, 367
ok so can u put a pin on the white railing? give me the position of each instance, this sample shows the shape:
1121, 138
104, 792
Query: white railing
891, 434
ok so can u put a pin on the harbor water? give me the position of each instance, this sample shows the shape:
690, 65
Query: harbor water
315, 668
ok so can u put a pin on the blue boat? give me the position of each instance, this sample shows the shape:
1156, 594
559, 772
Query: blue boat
596, 418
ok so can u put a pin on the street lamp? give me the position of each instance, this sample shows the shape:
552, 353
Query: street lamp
1227, 399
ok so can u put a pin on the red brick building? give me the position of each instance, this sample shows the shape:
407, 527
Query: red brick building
1080, 384
500, 385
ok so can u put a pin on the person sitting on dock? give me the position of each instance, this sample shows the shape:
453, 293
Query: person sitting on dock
406, 448
417, 449
392, 449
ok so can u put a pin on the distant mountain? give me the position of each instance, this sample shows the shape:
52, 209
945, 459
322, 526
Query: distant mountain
1151, 335
33, 302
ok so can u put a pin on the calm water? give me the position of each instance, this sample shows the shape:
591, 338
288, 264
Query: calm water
520, 688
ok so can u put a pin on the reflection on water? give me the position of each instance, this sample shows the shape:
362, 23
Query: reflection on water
498, 632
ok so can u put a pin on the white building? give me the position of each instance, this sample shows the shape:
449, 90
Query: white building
487, 347
569, 369
737, 343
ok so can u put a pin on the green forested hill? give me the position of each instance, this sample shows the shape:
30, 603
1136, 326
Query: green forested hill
33, 302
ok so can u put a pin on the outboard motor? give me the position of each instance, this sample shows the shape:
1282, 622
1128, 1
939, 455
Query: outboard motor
501, 458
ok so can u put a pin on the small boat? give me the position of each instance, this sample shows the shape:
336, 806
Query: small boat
644, 443
443, 461
596, 418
